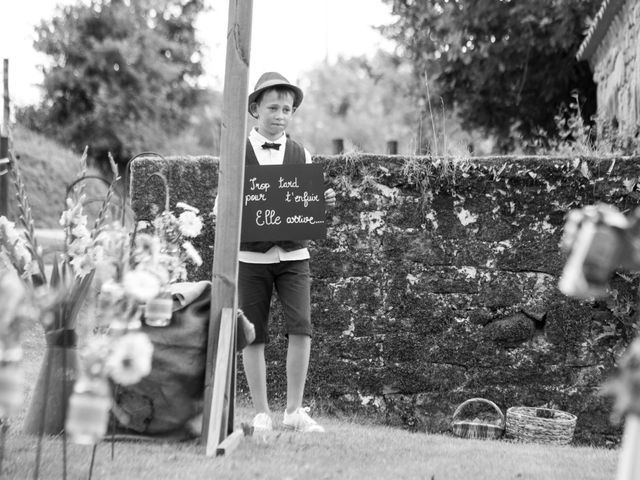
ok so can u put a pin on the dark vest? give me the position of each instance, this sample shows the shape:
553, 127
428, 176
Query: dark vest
293, 154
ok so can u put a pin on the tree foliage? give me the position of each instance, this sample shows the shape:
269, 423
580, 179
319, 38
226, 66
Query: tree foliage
122, 73
369, 101
506, 65
364, 101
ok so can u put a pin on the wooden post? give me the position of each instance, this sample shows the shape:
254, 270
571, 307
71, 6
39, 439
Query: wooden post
225, 259
5, 84
392, 147
4, 143
338, 146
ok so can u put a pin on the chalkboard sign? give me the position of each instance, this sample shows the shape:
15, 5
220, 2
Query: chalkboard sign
283, 202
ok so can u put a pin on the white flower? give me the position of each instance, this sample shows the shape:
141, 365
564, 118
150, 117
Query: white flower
95, 352
114, 241
147, 248
190, 224
11, 294
141, 284
14, 246
22, 253
79, 246
81, 231
186, 206
192, 253
167, 227
8, 230
111, 303
99, 254
142, 225
82, 265
73, 215
130, 359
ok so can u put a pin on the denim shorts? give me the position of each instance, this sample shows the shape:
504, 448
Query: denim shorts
292, 281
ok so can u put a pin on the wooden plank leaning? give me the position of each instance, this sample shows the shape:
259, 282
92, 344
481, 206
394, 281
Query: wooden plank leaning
223, 395
218, 416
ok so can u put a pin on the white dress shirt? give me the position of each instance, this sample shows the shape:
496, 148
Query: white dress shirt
270, 156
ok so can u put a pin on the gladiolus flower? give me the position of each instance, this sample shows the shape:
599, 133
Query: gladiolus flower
82, 265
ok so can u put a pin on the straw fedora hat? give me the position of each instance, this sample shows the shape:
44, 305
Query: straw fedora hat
274, 79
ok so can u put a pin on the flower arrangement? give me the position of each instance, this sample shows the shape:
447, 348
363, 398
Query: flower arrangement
122, 358
134, 278
130, 271
11, 378
164, 242
72, 274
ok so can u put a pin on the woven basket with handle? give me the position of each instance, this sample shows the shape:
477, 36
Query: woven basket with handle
475, 428
542, 425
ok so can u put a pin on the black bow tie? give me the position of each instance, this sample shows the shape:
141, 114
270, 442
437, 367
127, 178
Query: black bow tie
275, 146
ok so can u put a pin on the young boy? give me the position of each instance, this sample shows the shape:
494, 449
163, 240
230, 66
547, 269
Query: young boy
282, 264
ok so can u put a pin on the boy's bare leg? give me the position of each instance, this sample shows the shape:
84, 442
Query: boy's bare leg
297, 366
256, 371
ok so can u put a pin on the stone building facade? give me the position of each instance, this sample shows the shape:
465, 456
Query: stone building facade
612, 48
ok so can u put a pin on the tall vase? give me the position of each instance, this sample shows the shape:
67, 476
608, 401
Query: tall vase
58, 372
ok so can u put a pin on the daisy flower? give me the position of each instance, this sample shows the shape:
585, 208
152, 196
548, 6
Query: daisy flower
190, 224
130, 358
141, 284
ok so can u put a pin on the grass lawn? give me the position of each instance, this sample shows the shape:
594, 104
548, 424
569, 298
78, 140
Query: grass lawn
350, 449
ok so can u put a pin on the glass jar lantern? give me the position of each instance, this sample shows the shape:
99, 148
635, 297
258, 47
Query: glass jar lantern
158, 310
88, 414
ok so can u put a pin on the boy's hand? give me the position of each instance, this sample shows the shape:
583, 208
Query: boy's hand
330, 197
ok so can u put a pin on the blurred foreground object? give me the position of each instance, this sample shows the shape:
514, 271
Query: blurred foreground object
599, 239
627, 389
11, 375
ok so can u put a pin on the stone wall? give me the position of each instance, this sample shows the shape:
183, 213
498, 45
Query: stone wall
437, 282
616, 67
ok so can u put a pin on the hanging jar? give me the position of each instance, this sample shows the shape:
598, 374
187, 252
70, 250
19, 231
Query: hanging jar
88, 414
158, 310
11, 382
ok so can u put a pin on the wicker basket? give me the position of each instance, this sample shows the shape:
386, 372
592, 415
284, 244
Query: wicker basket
542, 425
477, 428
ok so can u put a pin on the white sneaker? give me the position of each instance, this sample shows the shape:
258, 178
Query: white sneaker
262, 423
300, 421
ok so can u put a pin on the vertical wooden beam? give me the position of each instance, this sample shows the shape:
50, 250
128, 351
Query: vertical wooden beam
230, 186
4, 142
4, 178
5, 88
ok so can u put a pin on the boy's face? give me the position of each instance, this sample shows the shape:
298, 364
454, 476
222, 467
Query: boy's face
274, 113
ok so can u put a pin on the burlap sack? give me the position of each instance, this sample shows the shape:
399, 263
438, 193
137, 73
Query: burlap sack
172, 394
